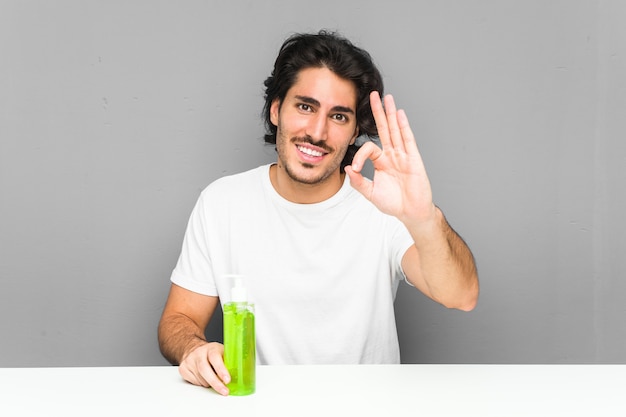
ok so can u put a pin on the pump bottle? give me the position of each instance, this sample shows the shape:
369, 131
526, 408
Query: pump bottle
239, 340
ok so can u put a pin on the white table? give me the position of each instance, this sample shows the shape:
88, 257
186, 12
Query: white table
333, 390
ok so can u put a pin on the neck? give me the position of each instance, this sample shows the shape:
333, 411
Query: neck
302, 193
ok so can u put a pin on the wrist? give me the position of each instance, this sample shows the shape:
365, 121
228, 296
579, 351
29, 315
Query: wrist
192, 345
426, 222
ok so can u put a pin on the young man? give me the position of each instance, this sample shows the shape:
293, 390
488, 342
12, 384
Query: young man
322, 248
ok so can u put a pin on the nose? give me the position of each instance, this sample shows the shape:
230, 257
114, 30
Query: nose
318, 127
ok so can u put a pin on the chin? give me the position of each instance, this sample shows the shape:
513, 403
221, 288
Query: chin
308, 174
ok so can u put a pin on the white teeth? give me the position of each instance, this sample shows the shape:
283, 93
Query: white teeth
309, 151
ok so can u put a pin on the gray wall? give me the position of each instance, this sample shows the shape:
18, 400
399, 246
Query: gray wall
114, 115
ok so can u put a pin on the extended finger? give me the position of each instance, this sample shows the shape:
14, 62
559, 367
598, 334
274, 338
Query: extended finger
380, 119
407, 134
395, 135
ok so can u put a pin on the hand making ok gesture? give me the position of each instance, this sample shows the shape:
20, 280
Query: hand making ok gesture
400, 186
439, 263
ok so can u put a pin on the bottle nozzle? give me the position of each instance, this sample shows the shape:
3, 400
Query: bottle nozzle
238, 291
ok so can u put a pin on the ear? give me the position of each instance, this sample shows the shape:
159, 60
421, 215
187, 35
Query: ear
356, 135
274, 108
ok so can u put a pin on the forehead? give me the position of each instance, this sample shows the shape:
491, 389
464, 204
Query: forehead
324, 86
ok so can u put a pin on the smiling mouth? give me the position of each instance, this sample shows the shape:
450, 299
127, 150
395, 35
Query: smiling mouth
310, 152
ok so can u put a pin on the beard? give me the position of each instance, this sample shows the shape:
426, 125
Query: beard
303, 172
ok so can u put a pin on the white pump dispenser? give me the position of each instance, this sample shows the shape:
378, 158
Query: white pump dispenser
238, 293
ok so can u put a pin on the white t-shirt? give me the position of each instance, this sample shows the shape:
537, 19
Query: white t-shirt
323, 277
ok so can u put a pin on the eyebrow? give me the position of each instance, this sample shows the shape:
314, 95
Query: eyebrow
314, 102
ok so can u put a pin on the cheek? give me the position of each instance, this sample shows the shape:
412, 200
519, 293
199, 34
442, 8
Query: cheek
292, 126
345, 135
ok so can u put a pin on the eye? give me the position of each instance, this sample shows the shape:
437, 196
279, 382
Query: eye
340, 117
305, 107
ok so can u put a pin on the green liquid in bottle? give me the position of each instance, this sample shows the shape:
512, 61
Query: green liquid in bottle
239, 347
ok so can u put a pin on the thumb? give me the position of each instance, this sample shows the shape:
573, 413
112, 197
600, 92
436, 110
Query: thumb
359, 182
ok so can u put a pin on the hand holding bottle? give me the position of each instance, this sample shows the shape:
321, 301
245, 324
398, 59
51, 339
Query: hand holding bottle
204, 366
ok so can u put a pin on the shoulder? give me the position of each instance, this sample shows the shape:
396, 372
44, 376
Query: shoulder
241, 183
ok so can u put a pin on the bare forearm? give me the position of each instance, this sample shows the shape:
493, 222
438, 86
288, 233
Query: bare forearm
446, 265
461, 255
178, 335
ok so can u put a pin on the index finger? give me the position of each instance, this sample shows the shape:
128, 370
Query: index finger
369, 150
208, 367
216, 360
208, 378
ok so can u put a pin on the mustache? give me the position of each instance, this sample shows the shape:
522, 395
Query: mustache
308, 139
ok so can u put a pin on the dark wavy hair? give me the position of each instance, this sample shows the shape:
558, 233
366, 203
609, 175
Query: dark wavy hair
338, 54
